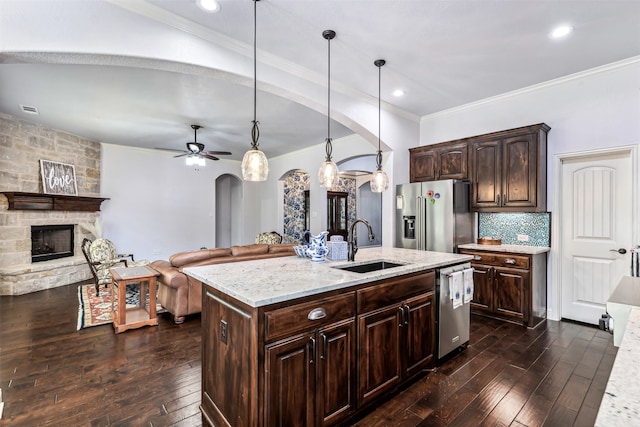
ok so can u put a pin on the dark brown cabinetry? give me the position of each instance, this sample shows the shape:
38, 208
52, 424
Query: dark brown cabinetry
315, 361
509, 170
509, 286
309, 378
447, 160
396, 334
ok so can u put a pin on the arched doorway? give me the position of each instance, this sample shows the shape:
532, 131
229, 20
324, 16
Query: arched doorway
295, 205
228, 202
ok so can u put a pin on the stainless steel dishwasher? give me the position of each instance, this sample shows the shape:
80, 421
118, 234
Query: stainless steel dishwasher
452, 324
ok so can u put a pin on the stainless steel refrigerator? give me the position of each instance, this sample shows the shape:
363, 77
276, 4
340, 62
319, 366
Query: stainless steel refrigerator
434, 215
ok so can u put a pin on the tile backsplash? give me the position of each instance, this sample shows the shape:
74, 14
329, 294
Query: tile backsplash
507, 226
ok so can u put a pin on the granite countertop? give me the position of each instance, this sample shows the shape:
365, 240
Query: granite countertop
620, 404
267, 281
517, 249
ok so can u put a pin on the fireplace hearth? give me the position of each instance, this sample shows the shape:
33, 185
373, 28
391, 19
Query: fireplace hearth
51, 242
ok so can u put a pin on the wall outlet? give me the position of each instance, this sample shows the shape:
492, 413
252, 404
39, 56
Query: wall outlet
223, 331
523, 238
155, 252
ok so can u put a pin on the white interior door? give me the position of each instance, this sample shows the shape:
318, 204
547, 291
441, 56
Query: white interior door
596, 221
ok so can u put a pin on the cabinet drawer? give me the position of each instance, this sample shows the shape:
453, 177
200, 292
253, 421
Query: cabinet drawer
501, 259
307, 316
391, 292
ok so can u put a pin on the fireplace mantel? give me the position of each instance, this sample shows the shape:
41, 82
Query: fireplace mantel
52, 202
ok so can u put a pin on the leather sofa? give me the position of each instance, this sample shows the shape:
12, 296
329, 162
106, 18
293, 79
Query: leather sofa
181, 295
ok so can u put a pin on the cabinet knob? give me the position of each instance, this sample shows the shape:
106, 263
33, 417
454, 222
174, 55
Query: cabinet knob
317, 314
510, 261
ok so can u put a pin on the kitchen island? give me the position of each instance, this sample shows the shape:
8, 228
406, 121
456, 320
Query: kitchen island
291, 342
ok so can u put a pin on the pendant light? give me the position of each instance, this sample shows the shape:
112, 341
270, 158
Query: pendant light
379, 180
254, 163
328, 172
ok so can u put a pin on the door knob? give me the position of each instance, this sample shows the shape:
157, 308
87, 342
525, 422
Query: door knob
620, 251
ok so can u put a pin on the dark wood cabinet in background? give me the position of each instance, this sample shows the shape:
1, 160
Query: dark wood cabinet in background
447, 160
508, 170
509, 286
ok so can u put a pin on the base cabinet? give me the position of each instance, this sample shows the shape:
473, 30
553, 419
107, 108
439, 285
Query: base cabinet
316, 361
309, 379
394, 345
509, 286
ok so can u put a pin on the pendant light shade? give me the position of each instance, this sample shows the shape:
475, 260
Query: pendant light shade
254, 163
328, 172
379, 180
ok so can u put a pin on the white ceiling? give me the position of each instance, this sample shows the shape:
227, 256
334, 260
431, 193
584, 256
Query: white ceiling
138, 73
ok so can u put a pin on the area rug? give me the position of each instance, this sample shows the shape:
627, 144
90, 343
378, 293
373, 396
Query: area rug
95, 310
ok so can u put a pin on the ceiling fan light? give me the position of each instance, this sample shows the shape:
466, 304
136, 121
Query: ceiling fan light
255, 166
328, 174
379, 181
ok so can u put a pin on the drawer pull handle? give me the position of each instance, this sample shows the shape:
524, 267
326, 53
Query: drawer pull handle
510, 261
477, 258
317, 314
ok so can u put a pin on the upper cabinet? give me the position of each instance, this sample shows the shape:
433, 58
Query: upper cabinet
448, 160
509, 170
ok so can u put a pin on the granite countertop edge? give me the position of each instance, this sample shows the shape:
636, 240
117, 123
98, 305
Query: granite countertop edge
262, 282
619, 405
518, 249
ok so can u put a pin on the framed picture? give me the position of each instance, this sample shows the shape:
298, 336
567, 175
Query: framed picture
58, 178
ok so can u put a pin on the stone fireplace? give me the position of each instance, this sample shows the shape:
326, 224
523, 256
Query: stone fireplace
22, 145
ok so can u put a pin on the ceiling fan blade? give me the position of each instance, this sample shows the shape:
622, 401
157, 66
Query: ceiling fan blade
170, 149
207, 156
180, 155
217, 153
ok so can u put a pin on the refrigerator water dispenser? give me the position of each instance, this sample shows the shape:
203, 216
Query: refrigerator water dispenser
409, 227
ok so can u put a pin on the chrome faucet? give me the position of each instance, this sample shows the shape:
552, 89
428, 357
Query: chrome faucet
353, 245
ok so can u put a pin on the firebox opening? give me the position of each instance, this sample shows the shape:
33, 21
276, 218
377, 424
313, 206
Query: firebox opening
51, 242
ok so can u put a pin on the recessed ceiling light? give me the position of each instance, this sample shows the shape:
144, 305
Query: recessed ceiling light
561, 31
211, 6
398, 92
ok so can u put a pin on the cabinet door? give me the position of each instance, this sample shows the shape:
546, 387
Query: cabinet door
482, 288
419, 326
486, 180
290, 382
519, 171
510, 290
452, 162
336, 364
422, 165
380, 367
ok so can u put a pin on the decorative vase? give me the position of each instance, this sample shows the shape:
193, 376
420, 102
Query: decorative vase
317, 248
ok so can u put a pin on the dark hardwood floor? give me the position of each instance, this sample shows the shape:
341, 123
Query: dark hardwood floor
53, 375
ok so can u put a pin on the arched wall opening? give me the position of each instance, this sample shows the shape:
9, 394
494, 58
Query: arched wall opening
228, 219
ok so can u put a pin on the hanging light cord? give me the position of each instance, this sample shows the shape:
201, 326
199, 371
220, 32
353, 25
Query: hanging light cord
255, 131
328, 148
379, 63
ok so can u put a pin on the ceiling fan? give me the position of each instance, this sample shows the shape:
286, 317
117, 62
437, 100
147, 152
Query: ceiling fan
195, 150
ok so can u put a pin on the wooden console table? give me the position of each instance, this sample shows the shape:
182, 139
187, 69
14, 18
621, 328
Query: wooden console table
141, 315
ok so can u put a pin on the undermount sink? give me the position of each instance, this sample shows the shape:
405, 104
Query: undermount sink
370, 266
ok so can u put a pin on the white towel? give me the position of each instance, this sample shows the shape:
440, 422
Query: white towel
456, 288
468, 284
